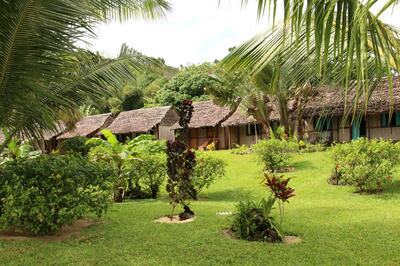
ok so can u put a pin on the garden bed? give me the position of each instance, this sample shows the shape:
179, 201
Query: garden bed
287, 240
64, 233
175, 220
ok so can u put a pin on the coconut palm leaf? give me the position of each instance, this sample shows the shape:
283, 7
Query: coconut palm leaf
342, 38
42, 71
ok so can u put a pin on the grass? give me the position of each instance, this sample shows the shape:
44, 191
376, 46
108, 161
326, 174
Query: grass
337, 226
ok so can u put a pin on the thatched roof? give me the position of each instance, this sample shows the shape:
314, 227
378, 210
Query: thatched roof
240, 118
206, 114
331, 101
142, 120
87, 126
49, 134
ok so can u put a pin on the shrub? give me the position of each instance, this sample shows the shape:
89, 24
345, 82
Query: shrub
147, 144
365, 164
308, 147
117, 156
253, 221
275, 154
241, 149
146, 174
75, 144
44, 193
207, 170
281, 191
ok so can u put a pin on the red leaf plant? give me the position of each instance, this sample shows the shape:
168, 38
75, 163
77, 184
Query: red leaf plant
280, 189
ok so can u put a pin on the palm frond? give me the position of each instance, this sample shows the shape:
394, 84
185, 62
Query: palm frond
41, 70
343, 40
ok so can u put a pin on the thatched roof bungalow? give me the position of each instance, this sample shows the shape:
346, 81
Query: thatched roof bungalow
243, 129
88, 126
205, 125
326, 120
157, 121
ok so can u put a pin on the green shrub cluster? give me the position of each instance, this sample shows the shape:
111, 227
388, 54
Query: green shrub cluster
207, 170
254, 222
275, 154
75, 145
241, 149
145, 176
40, 195
365, 164
306, 147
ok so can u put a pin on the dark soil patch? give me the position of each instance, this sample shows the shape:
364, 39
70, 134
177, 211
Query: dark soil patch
64, 233
288, 240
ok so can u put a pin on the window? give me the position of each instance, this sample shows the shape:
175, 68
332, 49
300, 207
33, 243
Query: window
251, 130
322, 124
394, 122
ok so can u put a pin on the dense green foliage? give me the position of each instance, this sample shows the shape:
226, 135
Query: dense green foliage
76, 144
275, 154
253, 221
207, 171
43, 72
366, 164
42, 194
190, 83
145, 177
147, 144
340, 226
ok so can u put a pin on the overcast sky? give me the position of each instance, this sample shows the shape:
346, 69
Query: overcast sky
194, 32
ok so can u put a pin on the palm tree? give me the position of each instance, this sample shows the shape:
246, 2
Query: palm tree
43, 72
340, 39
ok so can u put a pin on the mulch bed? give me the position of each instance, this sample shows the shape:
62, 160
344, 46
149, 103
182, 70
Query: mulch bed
288, 240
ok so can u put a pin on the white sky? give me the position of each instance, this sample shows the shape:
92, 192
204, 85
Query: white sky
194, 32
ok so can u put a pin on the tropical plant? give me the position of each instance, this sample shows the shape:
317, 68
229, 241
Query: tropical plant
207, 170
190, 83
253, 221
275, 154
76, 144
42, 194
281, 191
17, 149
342, 41
145, 176
147, 144
40, 62
117, 155
181, 161
365, 164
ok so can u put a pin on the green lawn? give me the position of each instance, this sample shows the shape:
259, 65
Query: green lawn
337, 226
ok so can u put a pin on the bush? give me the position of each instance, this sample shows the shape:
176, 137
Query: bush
254, 223
207, 170
40, 195
275, 154
365, 164
147, 144
308, 147
146, 174
241, 149
75, 145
